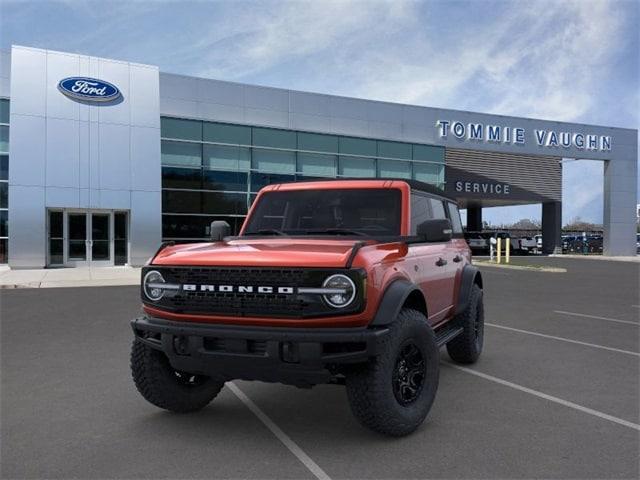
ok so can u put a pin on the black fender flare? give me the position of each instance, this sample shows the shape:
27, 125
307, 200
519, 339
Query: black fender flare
470, 275
392, 301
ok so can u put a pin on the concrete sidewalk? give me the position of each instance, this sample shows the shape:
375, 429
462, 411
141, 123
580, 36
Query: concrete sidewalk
633, 259
69, 277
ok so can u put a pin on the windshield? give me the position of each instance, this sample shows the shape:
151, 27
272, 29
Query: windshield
358, 212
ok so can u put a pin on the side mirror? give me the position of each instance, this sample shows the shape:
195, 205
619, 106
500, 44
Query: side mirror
438, 230
219, 230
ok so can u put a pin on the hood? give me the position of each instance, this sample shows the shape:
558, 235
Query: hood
271, 252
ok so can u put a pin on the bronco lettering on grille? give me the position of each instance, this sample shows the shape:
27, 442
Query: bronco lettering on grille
190, 287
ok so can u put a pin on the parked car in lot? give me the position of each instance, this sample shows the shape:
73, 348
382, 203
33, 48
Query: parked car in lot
528, 245
354, 282
538, 243
477, 241
582, 244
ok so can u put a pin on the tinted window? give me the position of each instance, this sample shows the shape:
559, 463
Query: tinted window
4, 139
274, 161
437, 208
270, 137
428, 172
181, 202
194, 227
394, 169
223, 133
4, 195
224, 203
317, 143
358, 146
4, 111
428, 153
394, 150
259, 180
178, 128
226, 158
120, 238
374, 212
317, 165
357, 167
4, 221
231, 181
420, 211
180, 153
4, 167
4, 257
454, 216
173, 177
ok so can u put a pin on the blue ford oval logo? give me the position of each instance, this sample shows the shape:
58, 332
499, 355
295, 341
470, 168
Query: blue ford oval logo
90, 89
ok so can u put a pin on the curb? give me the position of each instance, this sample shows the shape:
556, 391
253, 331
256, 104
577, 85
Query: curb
71, 284
600, 258
521, 267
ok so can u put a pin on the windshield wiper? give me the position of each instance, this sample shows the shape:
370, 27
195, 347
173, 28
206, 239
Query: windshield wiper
337, 231
267, 231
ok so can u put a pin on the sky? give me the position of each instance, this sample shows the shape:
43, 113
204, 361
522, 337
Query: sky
572, 61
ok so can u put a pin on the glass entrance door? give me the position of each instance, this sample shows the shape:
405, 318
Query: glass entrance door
77, 239
82, 238
100, 241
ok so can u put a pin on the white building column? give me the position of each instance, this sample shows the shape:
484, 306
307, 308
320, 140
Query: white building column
620, 199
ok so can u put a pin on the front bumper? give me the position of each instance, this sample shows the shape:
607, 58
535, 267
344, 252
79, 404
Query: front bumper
297, 356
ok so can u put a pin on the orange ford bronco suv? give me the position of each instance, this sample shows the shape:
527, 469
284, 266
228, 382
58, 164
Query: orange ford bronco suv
351, 282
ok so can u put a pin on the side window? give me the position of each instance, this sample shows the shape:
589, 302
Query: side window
454, 216
419, 211
437, 209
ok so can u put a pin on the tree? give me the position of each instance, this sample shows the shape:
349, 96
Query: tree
578, 225
526, 224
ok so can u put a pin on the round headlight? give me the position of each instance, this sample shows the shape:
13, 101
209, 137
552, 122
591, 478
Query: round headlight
343, 291
151, 285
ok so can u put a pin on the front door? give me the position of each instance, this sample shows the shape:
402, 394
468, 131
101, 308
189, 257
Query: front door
100, 239
81, 238
77, 240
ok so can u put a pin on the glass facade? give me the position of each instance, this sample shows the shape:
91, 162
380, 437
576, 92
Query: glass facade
211, 171
4, 180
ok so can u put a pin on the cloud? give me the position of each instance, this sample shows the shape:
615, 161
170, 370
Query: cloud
536, 59
272, 34
575, 60
582, 190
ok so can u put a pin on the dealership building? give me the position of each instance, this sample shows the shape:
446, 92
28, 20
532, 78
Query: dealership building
101, 160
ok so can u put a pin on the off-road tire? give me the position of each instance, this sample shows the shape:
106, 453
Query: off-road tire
160, 384
370, 387
467, 346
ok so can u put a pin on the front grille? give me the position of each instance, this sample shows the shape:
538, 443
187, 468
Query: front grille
293, 305
237, 276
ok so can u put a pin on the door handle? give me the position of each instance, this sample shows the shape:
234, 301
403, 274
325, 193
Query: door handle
441, 262
457, 258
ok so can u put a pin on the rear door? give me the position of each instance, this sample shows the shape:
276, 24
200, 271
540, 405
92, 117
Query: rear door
430, 261
460, 248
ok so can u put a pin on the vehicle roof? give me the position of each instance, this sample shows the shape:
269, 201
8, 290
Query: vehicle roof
414, 185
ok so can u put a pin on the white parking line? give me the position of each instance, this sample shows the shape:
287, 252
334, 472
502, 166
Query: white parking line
596, 317
280, 435
562, 339
551, 398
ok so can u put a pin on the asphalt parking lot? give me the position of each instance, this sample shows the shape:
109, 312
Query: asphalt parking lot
555, 395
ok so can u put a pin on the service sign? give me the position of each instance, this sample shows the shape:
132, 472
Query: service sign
88, 89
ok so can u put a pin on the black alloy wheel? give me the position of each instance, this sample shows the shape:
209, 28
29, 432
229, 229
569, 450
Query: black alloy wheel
408, 374
189, 379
